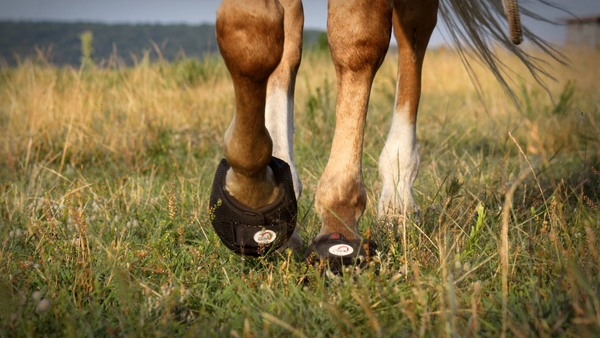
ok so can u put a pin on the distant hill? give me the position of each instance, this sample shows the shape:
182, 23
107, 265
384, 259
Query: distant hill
129, 41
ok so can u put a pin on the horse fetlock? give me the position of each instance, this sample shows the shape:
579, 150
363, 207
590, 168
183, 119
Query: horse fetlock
341, 201
398, 171
253, 191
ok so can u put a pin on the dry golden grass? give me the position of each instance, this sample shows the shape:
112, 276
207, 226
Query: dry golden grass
66, 111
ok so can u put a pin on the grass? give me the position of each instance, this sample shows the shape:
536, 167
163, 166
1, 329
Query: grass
104, 186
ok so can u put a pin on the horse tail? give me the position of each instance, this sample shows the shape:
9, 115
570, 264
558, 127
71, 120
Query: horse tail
476, 26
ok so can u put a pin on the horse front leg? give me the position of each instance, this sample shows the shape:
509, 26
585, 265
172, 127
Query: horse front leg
254, 193
250, 34
359, 33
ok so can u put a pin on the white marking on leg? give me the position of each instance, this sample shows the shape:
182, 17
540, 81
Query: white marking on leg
398, 165
279, 120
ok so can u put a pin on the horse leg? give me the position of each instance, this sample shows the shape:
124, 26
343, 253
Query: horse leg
279, 114
250, 34
280, 90
399, 162
359, 34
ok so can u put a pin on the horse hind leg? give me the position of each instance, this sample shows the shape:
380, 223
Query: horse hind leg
250, 34
399, 161
279, 114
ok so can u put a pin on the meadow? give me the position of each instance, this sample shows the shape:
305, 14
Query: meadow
105, 176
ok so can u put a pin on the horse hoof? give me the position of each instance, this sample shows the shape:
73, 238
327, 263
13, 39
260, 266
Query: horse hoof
249, 231
339, 252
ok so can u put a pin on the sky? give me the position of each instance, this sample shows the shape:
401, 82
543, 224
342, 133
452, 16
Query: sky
195, 12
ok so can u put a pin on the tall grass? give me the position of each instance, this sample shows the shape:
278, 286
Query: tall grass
105, 175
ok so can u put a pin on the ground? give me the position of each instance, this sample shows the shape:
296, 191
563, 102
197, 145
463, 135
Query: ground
105, 176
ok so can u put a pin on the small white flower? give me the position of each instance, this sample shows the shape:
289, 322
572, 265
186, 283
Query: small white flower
36, 295
457, 265
43, 306
466, 267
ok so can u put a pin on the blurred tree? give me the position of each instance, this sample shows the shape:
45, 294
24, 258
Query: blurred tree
19, 39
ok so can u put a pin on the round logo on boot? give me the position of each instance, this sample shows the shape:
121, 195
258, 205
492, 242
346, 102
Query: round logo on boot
264, 236
341, 250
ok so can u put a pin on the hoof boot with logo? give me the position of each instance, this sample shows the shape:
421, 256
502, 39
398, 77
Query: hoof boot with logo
339, 251
254, 232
